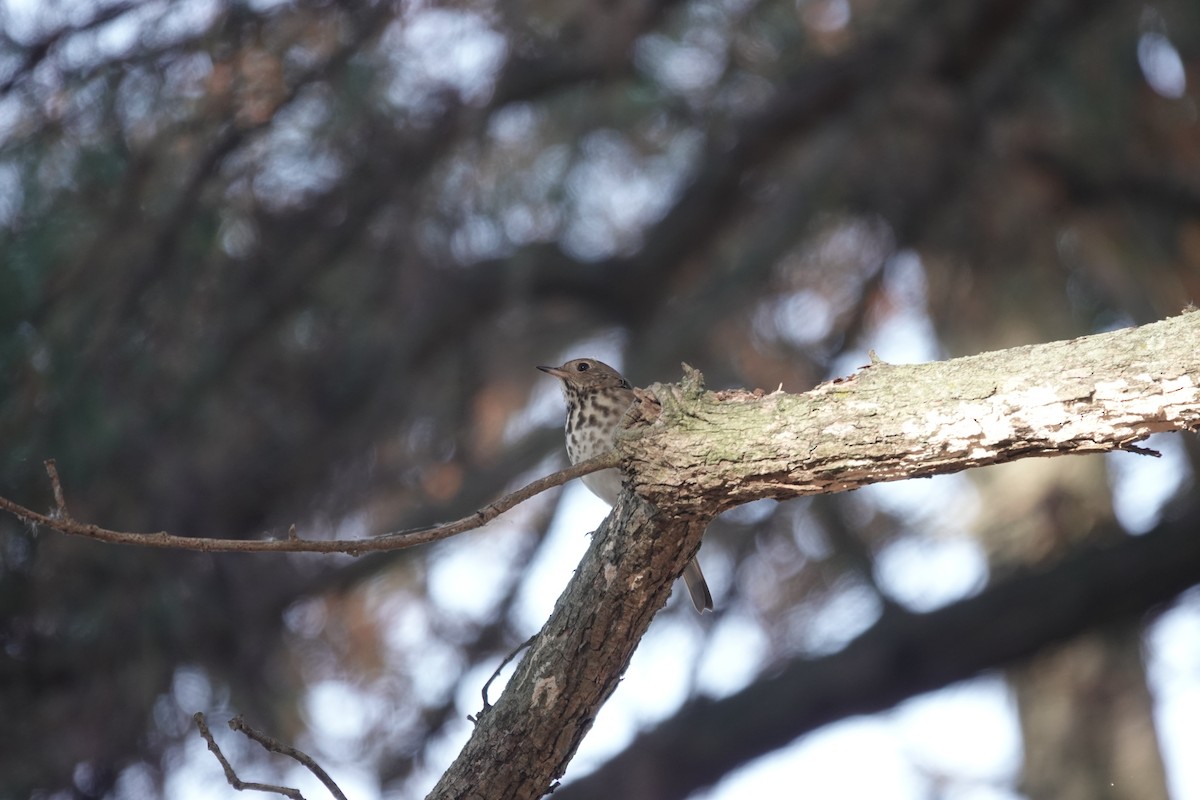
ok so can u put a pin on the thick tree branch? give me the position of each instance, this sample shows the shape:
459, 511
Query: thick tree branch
710, 451
523, 743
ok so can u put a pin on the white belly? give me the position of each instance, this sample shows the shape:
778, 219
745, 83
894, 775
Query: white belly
605, 484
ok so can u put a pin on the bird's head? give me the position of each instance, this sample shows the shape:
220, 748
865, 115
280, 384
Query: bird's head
587, 374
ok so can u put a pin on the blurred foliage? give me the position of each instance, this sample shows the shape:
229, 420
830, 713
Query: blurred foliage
269, 262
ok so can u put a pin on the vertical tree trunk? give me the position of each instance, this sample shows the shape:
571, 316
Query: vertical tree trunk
1086, 713
1087, 723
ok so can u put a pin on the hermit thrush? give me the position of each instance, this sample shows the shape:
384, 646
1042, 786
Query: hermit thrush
597, 399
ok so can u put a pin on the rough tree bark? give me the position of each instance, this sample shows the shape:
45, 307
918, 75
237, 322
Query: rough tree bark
707, 452
697, 453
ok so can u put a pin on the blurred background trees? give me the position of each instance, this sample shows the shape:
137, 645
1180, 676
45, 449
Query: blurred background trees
265, 263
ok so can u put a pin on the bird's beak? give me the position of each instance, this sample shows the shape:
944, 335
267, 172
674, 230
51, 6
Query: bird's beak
561, 374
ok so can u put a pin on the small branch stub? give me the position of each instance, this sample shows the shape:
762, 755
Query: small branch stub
60, 501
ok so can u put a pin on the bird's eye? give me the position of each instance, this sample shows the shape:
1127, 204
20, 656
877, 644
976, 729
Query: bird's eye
583, 366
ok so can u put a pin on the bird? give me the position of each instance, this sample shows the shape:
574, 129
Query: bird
597, 399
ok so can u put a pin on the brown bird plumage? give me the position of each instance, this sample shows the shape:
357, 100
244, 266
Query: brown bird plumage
597, 399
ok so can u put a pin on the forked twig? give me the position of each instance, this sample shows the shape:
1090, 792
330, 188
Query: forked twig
231, 776
238, 724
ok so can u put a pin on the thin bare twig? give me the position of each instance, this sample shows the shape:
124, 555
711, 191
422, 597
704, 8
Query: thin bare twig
231, 776
61, 521
238, 724
486, 703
